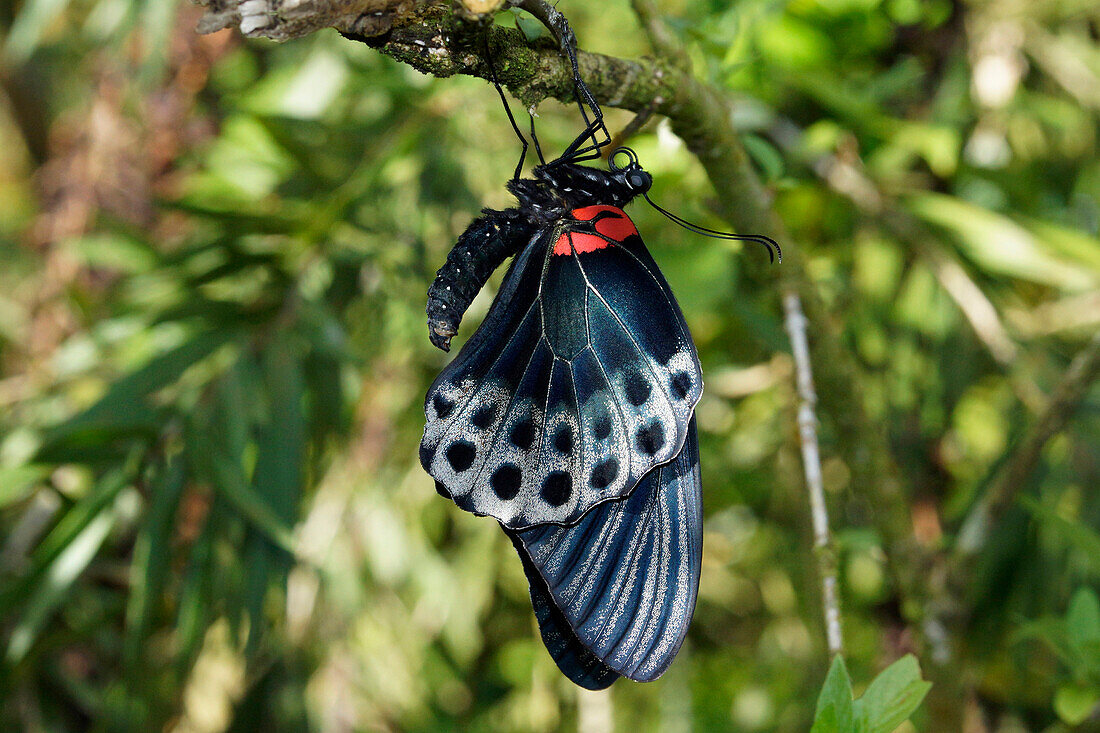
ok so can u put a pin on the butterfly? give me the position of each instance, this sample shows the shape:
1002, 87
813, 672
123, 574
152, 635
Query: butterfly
568, 416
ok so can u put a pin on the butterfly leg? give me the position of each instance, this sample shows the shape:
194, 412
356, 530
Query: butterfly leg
487, 242
595, 132
507, 110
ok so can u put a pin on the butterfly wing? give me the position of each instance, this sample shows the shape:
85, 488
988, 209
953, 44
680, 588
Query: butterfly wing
614, 593
574, 659
581, 379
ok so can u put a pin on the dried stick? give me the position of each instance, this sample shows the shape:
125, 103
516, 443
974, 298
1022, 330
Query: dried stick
811, 462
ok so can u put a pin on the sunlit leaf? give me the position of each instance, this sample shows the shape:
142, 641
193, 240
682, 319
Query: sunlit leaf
999, 244
29, 26
17, 482
835, 710
892, 697
52, 586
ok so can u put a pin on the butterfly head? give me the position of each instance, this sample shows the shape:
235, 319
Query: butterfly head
631, 174
579, 185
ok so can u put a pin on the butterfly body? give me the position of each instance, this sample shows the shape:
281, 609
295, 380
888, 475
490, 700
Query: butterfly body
583, 376
568, 418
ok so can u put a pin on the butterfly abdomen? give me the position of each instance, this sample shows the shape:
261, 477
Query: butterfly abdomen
487, 242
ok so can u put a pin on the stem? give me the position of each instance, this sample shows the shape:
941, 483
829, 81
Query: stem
824, 549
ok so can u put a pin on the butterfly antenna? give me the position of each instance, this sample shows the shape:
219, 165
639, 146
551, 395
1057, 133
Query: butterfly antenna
774, 252
508, 111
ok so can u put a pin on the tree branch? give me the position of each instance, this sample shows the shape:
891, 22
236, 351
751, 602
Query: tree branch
811, 464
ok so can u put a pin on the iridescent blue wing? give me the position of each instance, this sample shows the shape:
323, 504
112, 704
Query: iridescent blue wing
614, 593
573, 658
581, 379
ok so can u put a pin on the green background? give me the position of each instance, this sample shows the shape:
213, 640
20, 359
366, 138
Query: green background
213, 261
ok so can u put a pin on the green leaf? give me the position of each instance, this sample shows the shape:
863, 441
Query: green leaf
892, 697
195, 603
1075, 703
1051, 631
1000, 245
126, 407
54, 585
1083, 618
29, 26
277, 478
1085, 539
152, 553
17, 482
68, 529
766, 156
282, 440
835, 710
230, 482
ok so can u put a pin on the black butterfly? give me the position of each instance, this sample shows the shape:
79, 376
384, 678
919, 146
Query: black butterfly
558, 413
568, 415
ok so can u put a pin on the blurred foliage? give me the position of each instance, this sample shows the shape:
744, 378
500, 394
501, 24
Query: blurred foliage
213, 259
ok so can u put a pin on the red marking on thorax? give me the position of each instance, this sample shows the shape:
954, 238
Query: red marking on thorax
617, 227
581, 242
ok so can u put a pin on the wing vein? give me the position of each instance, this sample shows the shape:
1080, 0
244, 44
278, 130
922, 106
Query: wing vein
453, 422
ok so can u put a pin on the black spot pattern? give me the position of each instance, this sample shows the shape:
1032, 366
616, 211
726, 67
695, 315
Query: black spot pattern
442, 490
681, 385
426, 456
602, 428
604, 474
557, 488
563, 441
506, 481
483, 417
637, 389
651, 438
461, 455
523, 434
443, 406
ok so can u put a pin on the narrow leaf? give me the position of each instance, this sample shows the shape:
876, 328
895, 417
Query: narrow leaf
54, 586
152, 553
277, 478
835, 711
231, 484
68, 528
126, 406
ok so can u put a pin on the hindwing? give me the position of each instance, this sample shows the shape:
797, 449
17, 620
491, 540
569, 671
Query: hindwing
614, 594
580, 380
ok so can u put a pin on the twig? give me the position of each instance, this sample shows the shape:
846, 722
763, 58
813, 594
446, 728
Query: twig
663, 42
1013, 475
811, 463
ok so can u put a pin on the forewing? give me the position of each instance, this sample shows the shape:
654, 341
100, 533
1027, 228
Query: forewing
493, 392
638, 378
623, 581
581, 379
